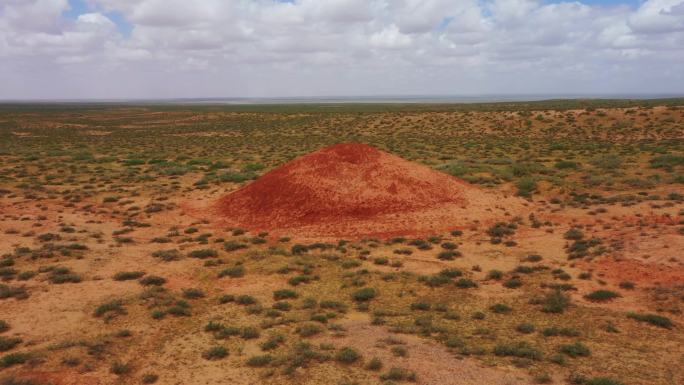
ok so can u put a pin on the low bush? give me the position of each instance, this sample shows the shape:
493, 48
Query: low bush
245, 300
260, 361
601, 295
525, 328
215, 353
7, 343
232, 272
192, 293
399, 374
121, 368
234, 246
152, 280
347, 355
495, 275
308, 330
513, 283
128, 275
465, 283
60, 275
203, 253
653, 319
374, 364
273, 341
284, 294
250, 333
167, 255
13, 359
365, 294
13, 292
575, 350
110, 308
555, 302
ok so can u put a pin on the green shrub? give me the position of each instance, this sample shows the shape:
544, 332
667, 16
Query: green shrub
273, 341
115, 306
495, 274
282, 306
501, 229
296, 280
575, 350
347, 355
13, 359
653, 319
555, 302
308, 330
299, 249
365, 294
525, 328
374, 364
167, 255
250, 333
215, 353
12, 291
60, 275
121, 368
513, 283
284, 294
566, 164
245, 300
424, 306
573, 234
465, 283
152, 280
7, 343
192, 293
203, 253
601, 295
213, 326
234, 246
448, 255
259, 361
232, 272
226, 298
128, 275
399, 374
526, 186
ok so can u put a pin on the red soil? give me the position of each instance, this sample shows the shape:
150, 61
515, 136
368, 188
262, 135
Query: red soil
353, 190
631, 270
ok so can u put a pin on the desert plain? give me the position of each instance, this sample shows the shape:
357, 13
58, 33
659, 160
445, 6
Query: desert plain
500, 243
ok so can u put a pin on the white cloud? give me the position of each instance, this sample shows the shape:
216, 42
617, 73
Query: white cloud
658, 16
327, 47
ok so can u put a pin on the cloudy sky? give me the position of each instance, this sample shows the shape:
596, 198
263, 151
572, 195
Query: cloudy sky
263, 48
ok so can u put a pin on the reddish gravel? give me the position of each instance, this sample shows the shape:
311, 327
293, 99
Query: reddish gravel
354, 190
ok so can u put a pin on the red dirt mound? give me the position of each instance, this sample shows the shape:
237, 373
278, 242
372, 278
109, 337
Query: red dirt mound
352, 190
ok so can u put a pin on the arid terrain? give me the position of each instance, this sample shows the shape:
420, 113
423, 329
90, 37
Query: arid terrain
464, 244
